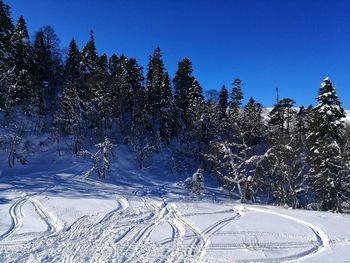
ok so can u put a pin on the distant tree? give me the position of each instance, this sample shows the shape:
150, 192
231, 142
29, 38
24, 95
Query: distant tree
223, 99
236, 96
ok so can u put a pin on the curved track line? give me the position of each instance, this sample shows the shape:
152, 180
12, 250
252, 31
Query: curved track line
323, 240
16, 215
54, 223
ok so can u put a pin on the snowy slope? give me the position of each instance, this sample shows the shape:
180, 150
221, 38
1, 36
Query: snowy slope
51, 213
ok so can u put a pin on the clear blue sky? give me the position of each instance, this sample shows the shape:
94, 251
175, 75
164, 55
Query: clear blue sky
292, 44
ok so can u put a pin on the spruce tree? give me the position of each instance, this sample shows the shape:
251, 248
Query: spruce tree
6, 30
223, 99
21, 48
182, 83
103, 63
157, 93
72, 67
252, 122
324, 140
236, 96
168, 125
89, 57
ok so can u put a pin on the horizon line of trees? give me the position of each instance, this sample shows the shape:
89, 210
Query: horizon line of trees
294, 157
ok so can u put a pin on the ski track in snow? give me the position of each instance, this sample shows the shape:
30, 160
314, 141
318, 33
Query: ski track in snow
314, 248
125, 234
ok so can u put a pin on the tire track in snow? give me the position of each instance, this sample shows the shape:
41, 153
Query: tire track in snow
16, 214
322, 244
54, 224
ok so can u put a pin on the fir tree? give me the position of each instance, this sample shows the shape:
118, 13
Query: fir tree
324, 140
6, 30
21, 48
236, 96
182, 83
72, 67
89, 57
252, 122
168, 125
103, 63
158, 94
223, 99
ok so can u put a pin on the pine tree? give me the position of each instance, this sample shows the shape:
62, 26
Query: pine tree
89, 57
324, 140
21, 48
72, 67
6, 30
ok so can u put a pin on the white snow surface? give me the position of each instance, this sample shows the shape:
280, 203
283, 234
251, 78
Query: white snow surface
50, 212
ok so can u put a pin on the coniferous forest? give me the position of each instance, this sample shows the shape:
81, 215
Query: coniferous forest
83, 100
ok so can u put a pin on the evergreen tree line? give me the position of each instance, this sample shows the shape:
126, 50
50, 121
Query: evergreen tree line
286, 156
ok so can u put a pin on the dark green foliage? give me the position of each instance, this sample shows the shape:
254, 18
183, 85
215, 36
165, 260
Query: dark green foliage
223, 99
6, 29
236, 95
72, 67
21, 48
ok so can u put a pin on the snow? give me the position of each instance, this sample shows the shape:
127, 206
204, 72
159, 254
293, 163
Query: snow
50, 212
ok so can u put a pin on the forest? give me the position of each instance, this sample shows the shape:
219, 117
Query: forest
82, 101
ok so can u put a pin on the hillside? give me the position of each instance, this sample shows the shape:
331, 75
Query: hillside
51, 212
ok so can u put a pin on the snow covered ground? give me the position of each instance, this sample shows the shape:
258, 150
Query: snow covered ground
50, 212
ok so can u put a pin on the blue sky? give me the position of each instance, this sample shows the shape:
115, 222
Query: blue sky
288, 44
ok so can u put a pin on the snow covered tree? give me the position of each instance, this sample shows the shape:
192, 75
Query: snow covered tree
89, 57
280, 174
102, 158
159, 99
281, 119
233, 164
71, 115
21, 48
168, 118
23, 93
236, 97
197, 182
252, 122
47, 66
324, 140
102, 64
99, 108
7, 79
186, 87
6, 30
